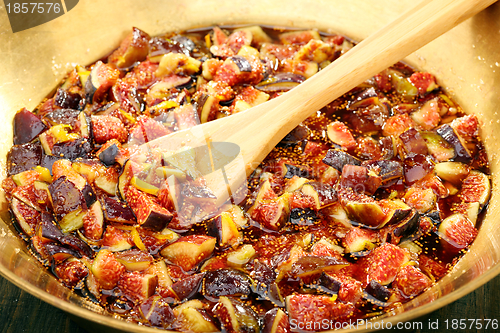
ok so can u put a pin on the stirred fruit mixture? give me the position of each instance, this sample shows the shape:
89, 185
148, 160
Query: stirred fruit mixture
359, 209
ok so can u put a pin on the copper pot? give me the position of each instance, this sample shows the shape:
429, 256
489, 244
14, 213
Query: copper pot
33, 61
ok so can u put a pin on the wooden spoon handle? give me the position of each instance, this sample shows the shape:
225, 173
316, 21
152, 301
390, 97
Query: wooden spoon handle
265, 126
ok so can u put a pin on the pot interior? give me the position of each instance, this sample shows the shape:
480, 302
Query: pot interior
33, 61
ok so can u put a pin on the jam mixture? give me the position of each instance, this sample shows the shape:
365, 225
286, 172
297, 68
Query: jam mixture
359, 209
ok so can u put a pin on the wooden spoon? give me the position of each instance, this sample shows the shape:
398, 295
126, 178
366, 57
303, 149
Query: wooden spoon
258, 130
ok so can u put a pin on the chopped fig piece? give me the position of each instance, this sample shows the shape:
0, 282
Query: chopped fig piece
265, 192
71, 272
85, 125
280, 82
242, 63
456, 233
453, 172
226, 231
143, 186
438, 147
24, 157
378, 291
360, 179
271, 214
63, 117
467, 126
134, 259
383, 263
323, 195
248, 98
186, 116
364, 209
398, 124
359, 239
209, 108
361, 208
64, 168
102, 77
312, 265
146, 129
241, 256
27, 126
72, 149
27, 217
157, 312
413, 142
330, 176
476, 188
338, 158
189, 251
364, 98
292, 170
368, 148
387, 170
298, 37
116, 211
177, 63
231, 73
93, 222
199, 194
226, 282
135, 47
192, 317
159, 268
403, 86
406, 228
449, 134
67, 100
347, 288
72, 221
106, 269
339, 134
431, 181
433, 268
276, 321
148, 211
416, 168
470, 210
137, 286
258, 35
425, 82
395, 210
176, 44
48, 230
66, 197
59, 253
107, 180
428, 115
236, 317
129, 170
29, 177
60, 135
107, 127
411, 282
238, 216
423, 200
188, 287
115, 239
325, 247
308, 311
